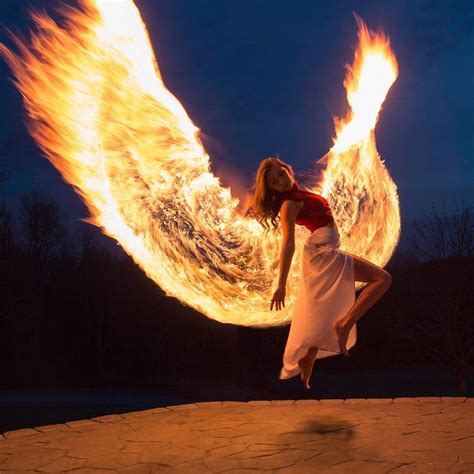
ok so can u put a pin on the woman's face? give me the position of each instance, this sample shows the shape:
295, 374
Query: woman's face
279, 179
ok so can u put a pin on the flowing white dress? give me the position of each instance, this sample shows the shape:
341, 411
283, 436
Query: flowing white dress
326, 292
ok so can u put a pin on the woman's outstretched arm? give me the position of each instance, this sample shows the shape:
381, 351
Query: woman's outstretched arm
288, 212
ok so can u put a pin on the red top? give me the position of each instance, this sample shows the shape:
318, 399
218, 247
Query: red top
315, 212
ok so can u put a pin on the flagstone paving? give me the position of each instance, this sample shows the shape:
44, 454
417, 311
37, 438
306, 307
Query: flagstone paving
399, 436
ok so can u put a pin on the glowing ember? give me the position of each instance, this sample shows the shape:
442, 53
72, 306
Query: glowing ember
102, 115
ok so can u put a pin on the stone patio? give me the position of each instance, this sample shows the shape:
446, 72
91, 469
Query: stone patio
400, 435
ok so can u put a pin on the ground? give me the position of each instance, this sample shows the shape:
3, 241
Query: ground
400, 435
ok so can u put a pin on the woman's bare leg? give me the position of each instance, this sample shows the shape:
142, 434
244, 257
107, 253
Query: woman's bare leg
306, 365
379, 281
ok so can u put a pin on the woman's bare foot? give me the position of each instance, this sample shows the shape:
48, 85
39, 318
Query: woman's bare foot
306, 367
342, 333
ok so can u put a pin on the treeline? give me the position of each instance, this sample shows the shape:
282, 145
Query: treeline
73, 312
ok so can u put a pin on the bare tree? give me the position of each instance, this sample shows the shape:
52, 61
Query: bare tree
43, 227
7, 229
6, 217
443, 235
3, 148
86, 240
439, 316
7, 299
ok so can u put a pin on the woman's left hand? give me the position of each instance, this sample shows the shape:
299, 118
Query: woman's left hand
278, 298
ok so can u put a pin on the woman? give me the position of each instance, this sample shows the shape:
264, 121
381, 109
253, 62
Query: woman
325, 310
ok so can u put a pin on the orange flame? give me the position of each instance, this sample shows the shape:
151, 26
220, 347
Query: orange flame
102, 115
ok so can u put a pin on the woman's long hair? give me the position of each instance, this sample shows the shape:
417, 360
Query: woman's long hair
265, 200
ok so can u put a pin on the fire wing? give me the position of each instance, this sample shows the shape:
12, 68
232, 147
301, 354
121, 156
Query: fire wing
100, 112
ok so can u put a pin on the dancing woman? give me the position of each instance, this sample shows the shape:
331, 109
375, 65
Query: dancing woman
325, 309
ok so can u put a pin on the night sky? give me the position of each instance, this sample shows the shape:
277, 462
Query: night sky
264, 77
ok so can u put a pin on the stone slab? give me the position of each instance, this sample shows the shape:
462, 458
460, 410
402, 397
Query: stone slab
422, 434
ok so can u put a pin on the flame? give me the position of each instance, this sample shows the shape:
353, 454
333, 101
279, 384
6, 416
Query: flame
99, 110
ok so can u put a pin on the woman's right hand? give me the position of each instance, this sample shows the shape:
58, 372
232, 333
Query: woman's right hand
278, 298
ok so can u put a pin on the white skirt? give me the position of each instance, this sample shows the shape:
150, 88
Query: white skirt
326, 292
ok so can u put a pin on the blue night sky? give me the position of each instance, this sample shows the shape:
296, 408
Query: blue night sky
263, 77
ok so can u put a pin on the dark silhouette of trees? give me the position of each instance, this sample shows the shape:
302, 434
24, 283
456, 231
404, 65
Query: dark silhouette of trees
7, 250
438, 316
6, 217
76, 312
3, 148
7, 229
44, 231
441, 236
